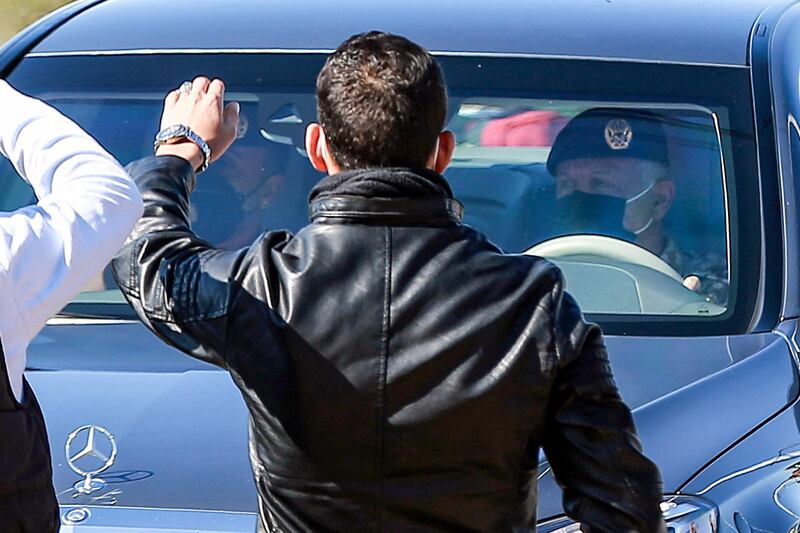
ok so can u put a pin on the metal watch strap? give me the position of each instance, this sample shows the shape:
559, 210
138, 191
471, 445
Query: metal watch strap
181, 131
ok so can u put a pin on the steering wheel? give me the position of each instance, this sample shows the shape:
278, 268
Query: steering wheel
602, 246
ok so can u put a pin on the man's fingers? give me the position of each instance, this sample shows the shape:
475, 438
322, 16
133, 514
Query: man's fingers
216, 87
200, 85
170, 102
216, 90
692, 283
172, 97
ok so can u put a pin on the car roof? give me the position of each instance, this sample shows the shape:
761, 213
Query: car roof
684, 31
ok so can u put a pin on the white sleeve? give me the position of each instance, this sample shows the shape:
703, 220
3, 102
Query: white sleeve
87, 205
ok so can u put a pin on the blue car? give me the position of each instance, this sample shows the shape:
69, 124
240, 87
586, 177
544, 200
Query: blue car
692, 268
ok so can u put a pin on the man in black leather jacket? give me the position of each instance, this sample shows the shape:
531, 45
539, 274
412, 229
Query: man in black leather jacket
401, 372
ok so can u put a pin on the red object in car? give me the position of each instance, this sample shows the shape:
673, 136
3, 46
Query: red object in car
529, 128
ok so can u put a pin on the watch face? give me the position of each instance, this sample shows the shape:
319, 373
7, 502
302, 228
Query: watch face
169, 132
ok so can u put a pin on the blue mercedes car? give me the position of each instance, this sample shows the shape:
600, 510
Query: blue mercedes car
696, 282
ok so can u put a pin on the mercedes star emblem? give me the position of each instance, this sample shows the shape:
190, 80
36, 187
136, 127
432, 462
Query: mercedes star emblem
96, 456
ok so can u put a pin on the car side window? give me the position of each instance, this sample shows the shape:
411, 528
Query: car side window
629, 196
262, 183
669, 243
14, 191
628, 200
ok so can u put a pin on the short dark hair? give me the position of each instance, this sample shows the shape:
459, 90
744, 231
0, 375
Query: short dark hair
382, 102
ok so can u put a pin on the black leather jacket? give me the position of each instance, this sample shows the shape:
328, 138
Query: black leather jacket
401, 372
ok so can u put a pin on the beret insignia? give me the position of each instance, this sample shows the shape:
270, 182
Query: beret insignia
618, 134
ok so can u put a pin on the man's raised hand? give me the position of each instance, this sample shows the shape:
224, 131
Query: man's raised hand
201, 109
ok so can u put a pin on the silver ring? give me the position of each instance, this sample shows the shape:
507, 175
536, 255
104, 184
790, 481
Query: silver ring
185, 88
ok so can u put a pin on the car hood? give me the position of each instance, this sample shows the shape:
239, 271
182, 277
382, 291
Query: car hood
181, 426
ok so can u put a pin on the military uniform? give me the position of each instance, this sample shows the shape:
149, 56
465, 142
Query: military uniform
712, 269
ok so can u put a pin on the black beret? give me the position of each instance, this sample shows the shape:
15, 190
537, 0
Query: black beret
605, 132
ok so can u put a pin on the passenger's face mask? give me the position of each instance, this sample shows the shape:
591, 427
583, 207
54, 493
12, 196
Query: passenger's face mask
581, 212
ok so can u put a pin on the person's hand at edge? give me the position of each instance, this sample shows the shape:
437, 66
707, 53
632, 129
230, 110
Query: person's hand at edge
201, 109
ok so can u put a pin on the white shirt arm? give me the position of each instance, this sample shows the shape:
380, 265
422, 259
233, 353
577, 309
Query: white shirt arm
87, 205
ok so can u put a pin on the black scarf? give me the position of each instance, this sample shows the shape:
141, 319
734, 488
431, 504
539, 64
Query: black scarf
397, 182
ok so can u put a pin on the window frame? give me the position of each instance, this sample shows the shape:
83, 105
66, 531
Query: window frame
632, 82
517, 77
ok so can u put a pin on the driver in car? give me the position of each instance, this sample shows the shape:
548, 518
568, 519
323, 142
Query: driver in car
613, 178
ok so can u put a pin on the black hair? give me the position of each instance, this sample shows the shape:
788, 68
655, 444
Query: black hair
382, 102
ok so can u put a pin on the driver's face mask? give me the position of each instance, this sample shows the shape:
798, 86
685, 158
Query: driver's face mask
587, 213
597, 214
631, 201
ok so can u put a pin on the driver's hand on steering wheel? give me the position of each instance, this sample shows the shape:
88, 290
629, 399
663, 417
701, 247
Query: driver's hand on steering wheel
692, 283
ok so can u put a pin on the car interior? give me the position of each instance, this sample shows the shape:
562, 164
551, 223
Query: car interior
498, 172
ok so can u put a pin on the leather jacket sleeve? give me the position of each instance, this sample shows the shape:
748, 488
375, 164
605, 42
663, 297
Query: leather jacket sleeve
590, 438
180, 286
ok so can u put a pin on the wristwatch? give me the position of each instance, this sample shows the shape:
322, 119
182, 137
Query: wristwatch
171, 134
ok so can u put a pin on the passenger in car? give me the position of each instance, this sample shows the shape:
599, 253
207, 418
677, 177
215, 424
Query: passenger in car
613, 178
49, 251
241, 187
401, 372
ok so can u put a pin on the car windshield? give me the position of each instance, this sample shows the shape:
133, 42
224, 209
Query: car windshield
633, 207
